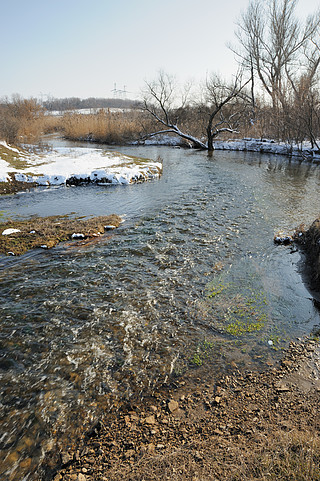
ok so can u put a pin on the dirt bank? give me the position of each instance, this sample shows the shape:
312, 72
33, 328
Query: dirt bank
13, 186
17, 237
308, 239
245, 426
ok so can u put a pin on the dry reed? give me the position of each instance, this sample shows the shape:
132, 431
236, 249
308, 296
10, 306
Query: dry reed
104, 127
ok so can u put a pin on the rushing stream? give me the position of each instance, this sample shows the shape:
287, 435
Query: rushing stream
190, 283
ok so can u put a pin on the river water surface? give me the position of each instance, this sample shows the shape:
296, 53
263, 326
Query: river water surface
189, 285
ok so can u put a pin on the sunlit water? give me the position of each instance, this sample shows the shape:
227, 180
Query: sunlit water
188, 285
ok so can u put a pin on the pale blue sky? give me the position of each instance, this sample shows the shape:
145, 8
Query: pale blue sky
80, 48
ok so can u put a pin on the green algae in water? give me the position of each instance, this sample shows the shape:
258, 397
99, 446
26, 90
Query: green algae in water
215, 290
247, 315
239, 307
239, 328
203, 352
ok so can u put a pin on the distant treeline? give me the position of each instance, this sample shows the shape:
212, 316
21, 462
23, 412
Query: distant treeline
75, 103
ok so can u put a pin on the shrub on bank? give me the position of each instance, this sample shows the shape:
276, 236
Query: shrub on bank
21, 120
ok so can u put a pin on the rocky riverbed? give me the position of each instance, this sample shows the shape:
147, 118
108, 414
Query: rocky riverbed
245, 426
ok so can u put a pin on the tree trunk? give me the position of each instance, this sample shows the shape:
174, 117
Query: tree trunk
210, 145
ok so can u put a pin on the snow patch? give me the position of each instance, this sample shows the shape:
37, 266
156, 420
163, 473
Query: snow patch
282, 238
74, 166
9, 147
10, 231
23, 178
78, 236
268, 146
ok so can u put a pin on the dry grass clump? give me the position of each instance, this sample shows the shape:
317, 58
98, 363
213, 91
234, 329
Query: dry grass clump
104, 126
47, 232
280, 456
289, 456
21, 120
25, 121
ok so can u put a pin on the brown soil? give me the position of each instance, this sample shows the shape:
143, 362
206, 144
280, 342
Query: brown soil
247, 426
46, 232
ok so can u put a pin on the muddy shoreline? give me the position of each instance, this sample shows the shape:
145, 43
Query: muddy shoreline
238, 427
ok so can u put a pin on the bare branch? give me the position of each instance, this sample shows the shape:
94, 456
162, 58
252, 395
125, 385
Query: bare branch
273, 42
212, 107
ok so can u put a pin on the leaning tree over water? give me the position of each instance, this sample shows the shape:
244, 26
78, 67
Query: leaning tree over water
218, 108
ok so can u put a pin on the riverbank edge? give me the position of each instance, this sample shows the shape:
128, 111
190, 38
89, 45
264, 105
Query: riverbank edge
245, 425
307, 239
13, 186
247, 144
264, 146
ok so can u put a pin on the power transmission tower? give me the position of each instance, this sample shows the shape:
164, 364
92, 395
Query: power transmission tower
114, 91
118, 93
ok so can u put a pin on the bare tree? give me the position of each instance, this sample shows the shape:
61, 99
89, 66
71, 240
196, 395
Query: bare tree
218, 110
160, 99
275, 46
226, 105
305, 112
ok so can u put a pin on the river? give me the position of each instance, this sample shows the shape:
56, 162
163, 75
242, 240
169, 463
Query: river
189, 285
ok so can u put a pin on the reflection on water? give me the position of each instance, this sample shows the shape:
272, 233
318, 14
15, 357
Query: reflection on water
188, 284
